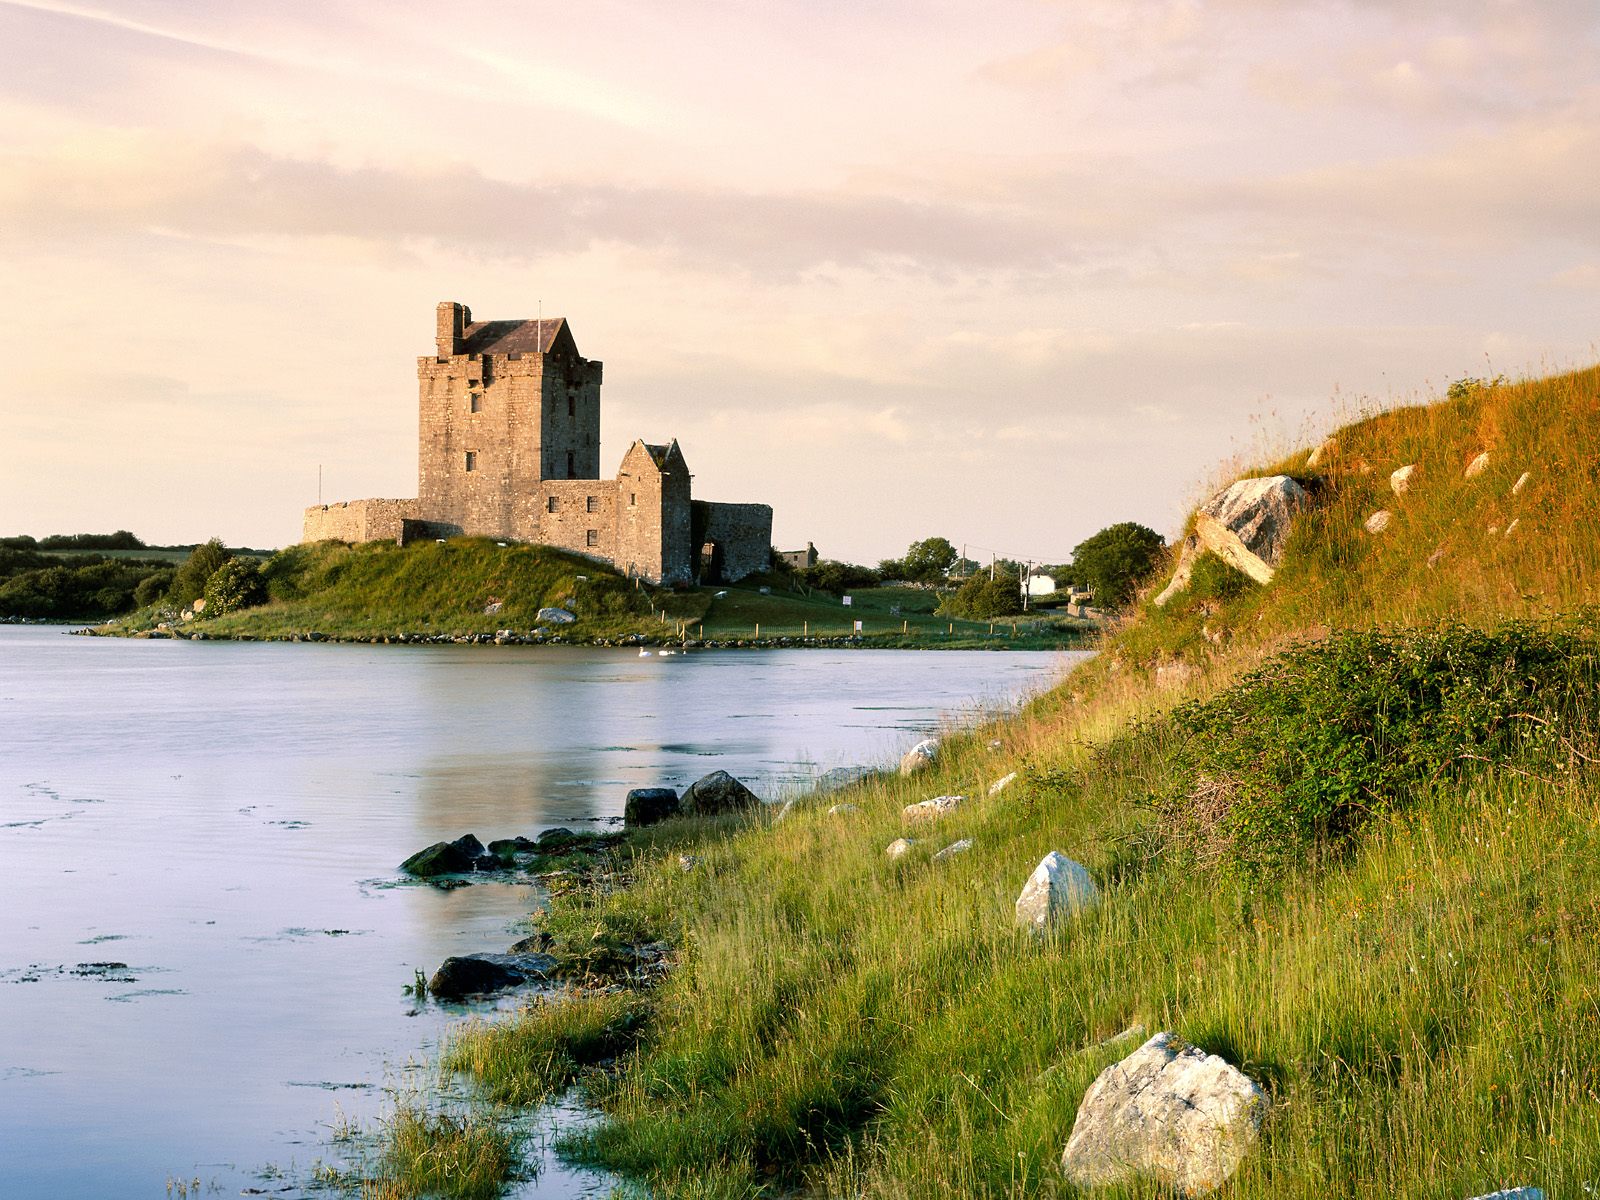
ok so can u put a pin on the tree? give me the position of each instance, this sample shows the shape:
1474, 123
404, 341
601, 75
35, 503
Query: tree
1115, 560
981, 598
236, 584
929, 560
189, 584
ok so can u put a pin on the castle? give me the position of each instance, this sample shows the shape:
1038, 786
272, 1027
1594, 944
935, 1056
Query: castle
509, 448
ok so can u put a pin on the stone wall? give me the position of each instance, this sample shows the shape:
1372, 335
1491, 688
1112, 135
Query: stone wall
358, 521
741, 535
578, 515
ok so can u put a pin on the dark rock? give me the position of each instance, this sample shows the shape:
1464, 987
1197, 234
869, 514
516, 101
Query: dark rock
533, 943
647, 806
553, 841
717, 793
450, 858
478, 974
507, 849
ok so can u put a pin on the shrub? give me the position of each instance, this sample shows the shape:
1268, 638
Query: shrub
196, 570
981, 598
236, 584
840, 577
153, 587
1308, 751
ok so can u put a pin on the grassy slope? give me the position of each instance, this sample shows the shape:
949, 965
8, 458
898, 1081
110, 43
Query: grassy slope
380, 590
1425, 1014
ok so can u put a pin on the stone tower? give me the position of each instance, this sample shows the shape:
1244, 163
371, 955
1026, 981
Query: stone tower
504, 405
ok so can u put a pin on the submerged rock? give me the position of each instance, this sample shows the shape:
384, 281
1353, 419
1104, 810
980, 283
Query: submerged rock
717, 793
480, 974
1168, 1112
1057, 888
647, 806
459, 857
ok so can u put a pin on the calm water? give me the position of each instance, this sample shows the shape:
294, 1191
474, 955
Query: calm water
226, 819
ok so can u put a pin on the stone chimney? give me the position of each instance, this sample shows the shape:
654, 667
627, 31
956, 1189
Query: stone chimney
452, 327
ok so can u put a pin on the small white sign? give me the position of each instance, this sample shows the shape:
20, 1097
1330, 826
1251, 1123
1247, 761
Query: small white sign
858, 626
847, 601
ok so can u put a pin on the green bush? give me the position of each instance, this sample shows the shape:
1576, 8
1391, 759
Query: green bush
192, 576
153, 587
236, 584
1308, 751
981, 598
1114, 561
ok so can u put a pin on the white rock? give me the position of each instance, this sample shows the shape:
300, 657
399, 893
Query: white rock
920, 757
1378, 521
1057, 888
1400, 481
1323, 453
688, 862
1246, 525
1522, 482
842, 810
931, 810
1435, 558
1515, 521
953, 849
784, 810
1168, 1112
1516, 1193
1001, 784
1478, 465
556, 616
837, 778
900, 847
199, 605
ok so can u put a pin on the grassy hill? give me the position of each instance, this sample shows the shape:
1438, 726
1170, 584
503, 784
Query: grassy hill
472, 586
1346, 826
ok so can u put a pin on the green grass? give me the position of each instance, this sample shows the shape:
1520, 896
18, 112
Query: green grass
1414, 980
435, 1154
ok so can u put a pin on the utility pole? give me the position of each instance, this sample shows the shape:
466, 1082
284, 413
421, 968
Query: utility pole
1027, 574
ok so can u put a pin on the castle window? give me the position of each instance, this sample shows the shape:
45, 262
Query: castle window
572, 465
472, 460
572, 407
475, 402
591, 504
593, 537
550, 504
633, 499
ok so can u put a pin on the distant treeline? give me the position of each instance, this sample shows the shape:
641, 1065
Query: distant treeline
69, 576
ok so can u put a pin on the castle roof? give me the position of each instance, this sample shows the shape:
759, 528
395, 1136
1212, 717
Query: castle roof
512, 337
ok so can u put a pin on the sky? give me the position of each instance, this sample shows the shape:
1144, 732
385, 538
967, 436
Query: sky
1002, 272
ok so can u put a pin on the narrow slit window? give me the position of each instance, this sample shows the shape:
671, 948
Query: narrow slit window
475, 402
572, 465
472, 460
550, 504
572, 406
633, 499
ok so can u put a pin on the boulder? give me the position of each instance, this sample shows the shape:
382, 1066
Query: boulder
899, 848
841, 777
1246, 525
717, 793
1169, 1112
477, 974
1522, 482
532, 944
1057, 888
953, 849
507, 849
553, 841
1400, 481
556, 616
1323, 453
1001, 784
920, 757
450, 858
1478, 465
1378, 521
930, 810
647, 806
